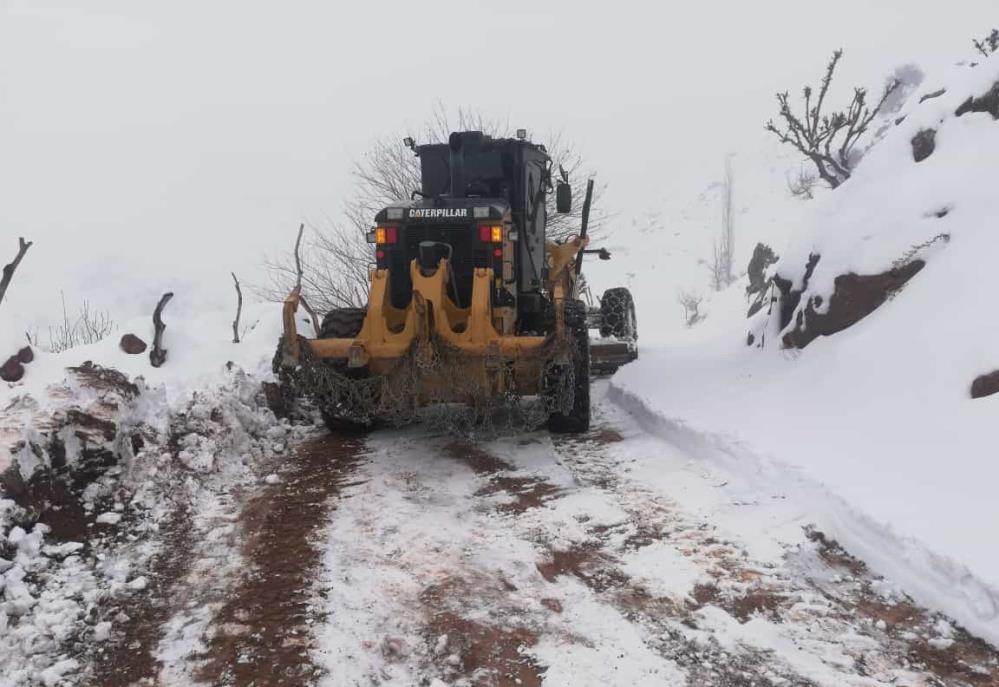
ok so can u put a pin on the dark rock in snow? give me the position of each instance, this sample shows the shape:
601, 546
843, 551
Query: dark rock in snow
989, 102
132, 344
789, 299
276, 399
854, 297
985, 385
25, 355
12, 370
923, 144
763, 257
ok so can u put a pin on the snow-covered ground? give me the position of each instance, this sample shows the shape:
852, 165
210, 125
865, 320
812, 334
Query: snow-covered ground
740, 514
879, 415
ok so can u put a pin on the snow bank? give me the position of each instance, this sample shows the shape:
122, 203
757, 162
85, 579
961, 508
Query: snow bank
131, 452
878, 414
199, 345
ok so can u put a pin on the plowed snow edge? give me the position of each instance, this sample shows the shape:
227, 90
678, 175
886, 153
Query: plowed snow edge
934, 581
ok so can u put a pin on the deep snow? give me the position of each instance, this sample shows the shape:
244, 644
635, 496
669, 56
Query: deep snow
880, 414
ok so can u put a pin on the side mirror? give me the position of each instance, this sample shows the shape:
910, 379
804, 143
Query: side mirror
563, 197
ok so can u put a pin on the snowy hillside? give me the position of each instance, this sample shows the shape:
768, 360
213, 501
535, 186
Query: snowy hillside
879, 414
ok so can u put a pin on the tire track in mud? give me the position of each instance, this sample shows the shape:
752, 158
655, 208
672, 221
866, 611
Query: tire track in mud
130, 658
831, 606
262, 633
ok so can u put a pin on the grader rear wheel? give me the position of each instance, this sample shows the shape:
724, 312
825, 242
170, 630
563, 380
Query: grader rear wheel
575, 419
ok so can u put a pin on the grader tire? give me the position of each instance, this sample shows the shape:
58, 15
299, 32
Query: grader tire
577, 419
617, 315
342, 323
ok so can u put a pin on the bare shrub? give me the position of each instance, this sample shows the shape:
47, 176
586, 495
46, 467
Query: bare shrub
989, 45
802, 184
88, 326
828, 139
691, 304
336, 258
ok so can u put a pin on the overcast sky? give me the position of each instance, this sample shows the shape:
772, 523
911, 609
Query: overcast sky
154, 145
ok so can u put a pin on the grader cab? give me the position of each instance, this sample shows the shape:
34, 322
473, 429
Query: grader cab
469, 304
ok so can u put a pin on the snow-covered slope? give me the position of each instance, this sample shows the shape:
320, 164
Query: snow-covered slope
880, 413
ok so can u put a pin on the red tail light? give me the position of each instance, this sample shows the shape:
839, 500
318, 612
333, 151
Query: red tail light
491, 234
391, 235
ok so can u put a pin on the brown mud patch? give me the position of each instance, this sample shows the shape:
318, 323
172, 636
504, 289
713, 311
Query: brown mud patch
961, 659
487, 652
261, 635
527, 492
130, 657
476, 457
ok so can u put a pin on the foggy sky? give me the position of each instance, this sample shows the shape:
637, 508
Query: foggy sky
150, 146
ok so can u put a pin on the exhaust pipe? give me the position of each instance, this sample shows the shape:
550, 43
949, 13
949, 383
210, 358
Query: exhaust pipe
454, 143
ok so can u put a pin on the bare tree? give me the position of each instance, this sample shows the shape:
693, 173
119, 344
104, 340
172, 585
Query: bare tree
239, 309
723, 252
989, 45
8, 270
691, 304
89, 326
828, 139
337, 258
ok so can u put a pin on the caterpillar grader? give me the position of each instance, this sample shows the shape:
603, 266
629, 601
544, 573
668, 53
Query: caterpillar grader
470, 306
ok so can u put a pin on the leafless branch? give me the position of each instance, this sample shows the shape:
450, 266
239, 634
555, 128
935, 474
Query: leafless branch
158, 355
312, 314
828, 140
989, 45
239, 309
802, 184
331, 264
298, 256
8, 270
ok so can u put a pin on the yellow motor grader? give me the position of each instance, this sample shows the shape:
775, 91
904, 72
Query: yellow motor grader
469, 305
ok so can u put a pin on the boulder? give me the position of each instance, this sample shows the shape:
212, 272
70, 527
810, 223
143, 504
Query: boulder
25, 355
132, 344
923, 144
12, 370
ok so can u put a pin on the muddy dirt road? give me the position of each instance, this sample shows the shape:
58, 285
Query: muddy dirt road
404, 558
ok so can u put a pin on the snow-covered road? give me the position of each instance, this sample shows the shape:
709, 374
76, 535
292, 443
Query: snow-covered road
406, 558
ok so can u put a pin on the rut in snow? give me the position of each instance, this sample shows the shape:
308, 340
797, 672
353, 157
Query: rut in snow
262, 634
529, 561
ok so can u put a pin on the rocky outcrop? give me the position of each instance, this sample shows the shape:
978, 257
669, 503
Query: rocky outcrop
763, 257
854, 297
985, 385
989, 102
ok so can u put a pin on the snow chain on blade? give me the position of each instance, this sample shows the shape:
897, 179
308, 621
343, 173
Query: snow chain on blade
402, 396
